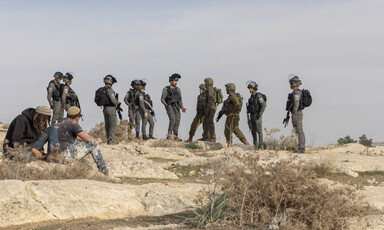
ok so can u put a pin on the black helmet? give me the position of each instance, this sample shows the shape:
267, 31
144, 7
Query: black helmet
109, 79
295, 81
143, 83
67, 77
174, 77
135, 82
58, 75
253, 85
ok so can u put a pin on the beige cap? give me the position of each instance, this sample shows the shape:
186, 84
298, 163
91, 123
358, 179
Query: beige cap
73, 111
43, 110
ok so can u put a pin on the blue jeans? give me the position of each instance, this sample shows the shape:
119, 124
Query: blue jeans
49, 135
80, 149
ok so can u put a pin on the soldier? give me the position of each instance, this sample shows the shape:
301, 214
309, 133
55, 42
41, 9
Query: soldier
295, 107
145, 108
208, 125
231, 108
69, 97
54, 98
200, 112
255, 108
133, 114
109, 109
172, 100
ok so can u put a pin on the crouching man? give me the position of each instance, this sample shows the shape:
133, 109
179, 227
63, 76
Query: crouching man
76, 143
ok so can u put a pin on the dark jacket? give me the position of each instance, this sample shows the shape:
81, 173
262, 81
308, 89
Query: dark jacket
21, 130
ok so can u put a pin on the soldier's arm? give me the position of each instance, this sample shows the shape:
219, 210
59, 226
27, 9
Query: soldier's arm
141, 103
111, 95
164, 95
51, 87
296, 101
263, 105
64, 96
235, 102
181, 98
126, 98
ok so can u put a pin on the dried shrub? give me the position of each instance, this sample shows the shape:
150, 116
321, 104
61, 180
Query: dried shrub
282, 142
123, 131
321, 168
285, 195
161, 143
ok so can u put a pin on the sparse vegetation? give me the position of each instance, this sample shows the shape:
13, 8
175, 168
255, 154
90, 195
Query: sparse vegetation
285, 195
365, 141
193, 145
282, 142
123, 131
321, 168
345, 140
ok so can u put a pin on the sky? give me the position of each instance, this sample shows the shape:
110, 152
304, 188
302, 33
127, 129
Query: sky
335, 47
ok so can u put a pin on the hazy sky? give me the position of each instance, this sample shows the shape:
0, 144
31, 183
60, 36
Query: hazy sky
335, 47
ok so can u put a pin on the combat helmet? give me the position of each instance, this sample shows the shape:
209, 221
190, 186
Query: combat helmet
143, 83
174, 77
109, 79
58, 75
295, 81
208, 81
67, 77
134, 83
231, 87
202, 86
253, 85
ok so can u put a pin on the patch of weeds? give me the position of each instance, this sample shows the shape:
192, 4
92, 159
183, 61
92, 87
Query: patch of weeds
163, 144
371, 173
210, 212
272, 142
322, 168
185, 171
123, 131
193, 145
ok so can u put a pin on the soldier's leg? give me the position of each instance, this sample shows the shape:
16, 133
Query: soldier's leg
137, 121
297, 122
144, 124
254, 129
61, 113
205, 128
151, 125
195, 124
227, 129
177, 121
172, 118
131, 117
56, 112
211, 125
236, 129
106, 122
110, 112
259, 130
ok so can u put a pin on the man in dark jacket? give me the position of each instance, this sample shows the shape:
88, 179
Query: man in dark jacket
29, 130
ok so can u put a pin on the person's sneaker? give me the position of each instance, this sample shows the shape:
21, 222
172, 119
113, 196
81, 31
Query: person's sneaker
56, 157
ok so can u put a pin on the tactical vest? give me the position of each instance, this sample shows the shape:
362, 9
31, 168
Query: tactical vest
147, 98
229, 107
56, 91
131, 96
254, 105
173, 97
109, 101
201, 102
291, 103
71, 98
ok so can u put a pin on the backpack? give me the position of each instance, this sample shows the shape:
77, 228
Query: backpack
306, 98
263, 96
218, 98
101, 96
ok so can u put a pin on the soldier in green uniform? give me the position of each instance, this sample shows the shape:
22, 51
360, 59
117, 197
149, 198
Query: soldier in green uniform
109, 109
68, 96
255, 108
54, 99
200, 112
145, 108
133, 113
209, 133
231, 108
296, 109
173, 102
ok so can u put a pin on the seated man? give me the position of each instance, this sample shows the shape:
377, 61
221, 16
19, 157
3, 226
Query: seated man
75, 143
28, 133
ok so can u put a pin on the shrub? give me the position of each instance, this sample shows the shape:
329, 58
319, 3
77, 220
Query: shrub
282, 142
346, 140
123, 131
193, 145
286, 195
365, 141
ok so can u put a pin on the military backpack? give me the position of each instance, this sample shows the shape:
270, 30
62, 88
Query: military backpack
101, 96
306, 98
218, 98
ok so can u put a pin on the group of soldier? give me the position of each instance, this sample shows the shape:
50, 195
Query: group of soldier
140, 108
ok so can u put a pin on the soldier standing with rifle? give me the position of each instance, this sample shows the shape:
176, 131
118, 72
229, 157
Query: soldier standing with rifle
144, 103
209, 133
173, 102
133, 114
255, 109
54, 99
68, 96
200, 112
232, 107
295, 107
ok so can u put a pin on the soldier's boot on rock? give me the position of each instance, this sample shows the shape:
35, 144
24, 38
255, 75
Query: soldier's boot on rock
211, 140
169, 136
151, 137
299, 151
145, 137
176, 138
202, 139
55, 157
190, 138
111, 142
137, 135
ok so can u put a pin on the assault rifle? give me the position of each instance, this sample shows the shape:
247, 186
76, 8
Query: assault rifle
288, 108
219, 116
152, 111
249, 120
118, 108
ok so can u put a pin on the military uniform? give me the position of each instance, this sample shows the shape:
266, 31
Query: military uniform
144, 106
232, 108
54, 99
256, 107
297, 117
171, 98
208, 125
200, 114
133, 114
69, 97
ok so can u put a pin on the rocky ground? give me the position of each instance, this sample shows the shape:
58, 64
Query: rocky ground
152, 183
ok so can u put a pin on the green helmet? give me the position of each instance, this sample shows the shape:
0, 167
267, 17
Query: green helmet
295, 81
208, 81
202, 86
230, 86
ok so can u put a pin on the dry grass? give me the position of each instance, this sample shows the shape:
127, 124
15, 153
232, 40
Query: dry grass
123, 131
285, 195
281, 142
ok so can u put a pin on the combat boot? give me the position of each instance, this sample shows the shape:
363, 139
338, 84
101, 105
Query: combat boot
145, 137
190, 138
151, 137
137, 135
246, 142
56, 157
299, 151
176, 138
169, 136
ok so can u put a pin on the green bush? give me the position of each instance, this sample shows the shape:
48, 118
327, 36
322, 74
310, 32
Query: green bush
346, 140
365, 141
193, 145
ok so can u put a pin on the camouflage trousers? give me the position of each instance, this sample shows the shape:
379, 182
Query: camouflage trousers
80, 149
232, 126
297, 122
110, 119
57, 112
134, 117
195, 124
209, 125
257, 129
